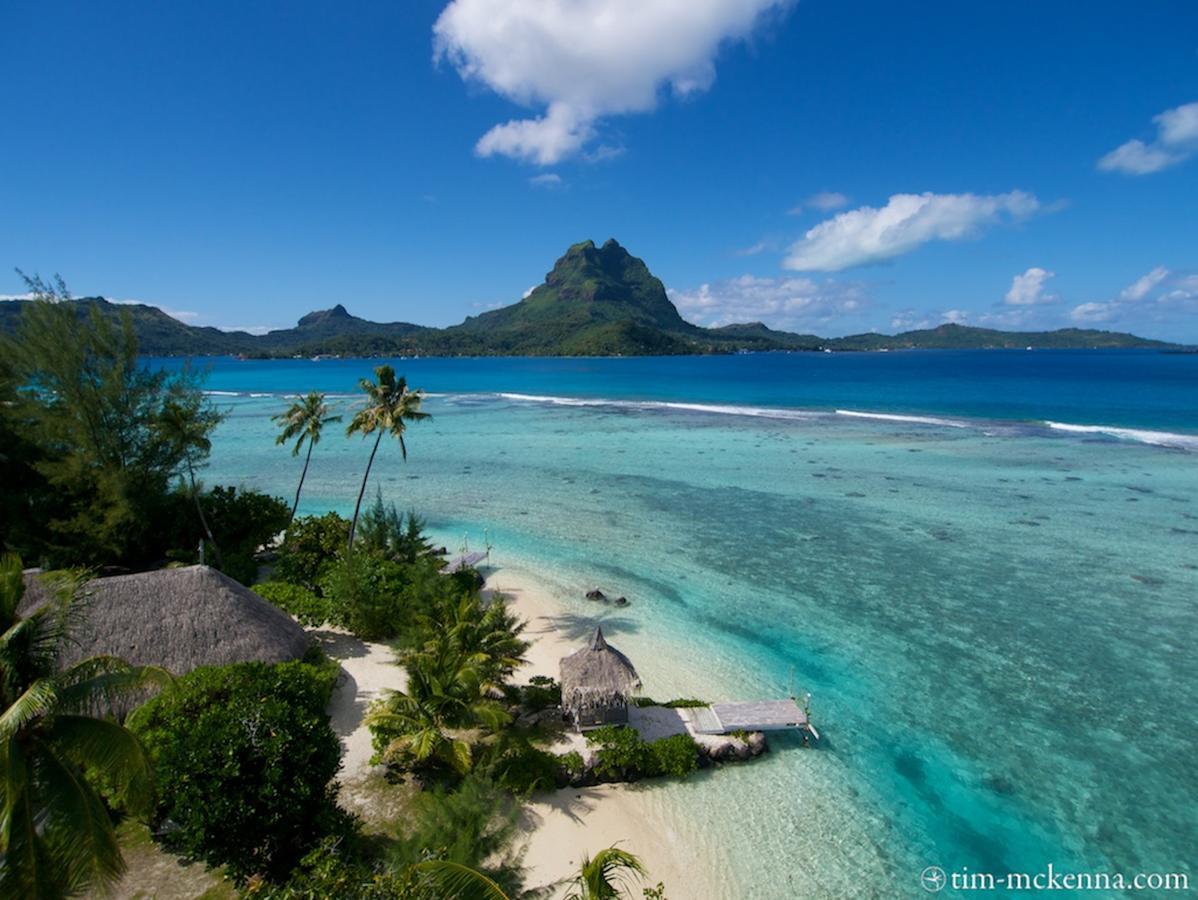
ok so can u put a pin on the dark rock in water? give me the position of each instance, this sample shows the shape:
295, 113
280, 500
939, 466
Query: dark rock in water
1000, 784
596, 594
621, 601
1149, 580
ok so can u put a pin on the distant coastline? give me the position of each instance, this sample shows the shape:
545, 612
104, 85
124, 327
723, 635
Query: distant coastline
596, 301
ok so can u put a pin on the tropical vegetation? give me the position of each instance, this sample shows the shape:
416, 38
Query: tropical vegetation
390, 405
304, 422
57, 749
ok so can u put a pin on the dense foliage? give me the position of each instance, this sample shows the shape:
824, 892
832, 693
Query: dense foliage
243, 757
311, 547
308, 609
622, 755
94, 438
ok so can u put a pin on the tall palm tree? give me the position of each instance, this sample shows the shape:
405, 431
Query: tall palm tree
390, 405
304, 419
56, 836
447, 880
607, 876
186, 423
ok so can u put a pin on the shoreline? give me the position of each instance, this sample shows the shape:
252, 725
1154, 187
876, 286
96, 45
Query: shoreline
562, 825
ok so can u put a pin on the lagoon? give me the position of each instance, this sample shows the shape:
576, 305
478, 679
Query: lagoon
994, 614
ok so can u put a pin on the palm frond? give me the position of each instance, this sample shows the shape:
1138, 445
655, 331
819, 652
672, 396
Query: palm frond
454, 881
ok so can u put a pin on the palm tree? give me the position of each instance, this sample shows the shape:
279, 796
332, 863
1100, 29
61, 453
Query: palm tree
186, 422
606, 876
444, 695
489, 638
56, 836
447, 880
389, 406
304, 419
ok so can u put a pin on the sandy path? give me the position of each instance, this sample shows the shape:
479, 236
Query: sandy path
367, 670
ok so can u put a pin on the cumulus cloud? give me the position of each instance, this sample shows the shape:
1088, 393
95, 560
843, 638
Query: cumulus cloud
824, 201
1157, 295
1176, 141
1142, 286
801, 304
1028, 289
581, 60
869, 235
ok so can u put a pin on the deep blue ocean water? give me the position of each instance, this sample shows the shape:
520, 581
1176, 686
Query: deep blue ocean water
995, 616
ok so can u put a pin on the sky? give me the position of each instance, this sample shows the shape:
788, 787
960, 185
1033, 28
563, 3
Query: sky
821, 166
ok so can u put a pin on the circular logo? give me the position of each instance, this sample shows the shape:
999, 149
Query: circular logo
933, 879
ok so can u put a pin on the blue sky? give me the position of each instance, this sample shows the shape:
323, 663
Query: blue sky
821, 166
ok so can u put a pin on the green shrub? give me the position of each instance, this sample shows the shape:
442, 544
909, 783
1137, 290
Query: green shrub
368, 594
239, 565
383, 531
244, 520
312, 545
685, 703
337, 868
521, 768
541, 692
676, 755
572, 763
681, 703
308, 609
621, 754
473, 825
243, 758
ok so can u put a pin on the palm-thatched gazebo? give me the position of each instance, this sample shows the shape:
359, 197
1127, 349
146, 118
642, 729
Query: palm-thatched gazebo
174, 618
596, 684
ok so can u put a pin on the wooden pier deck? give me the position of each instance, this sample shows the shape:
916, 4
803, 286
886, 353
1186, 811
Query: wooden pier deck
754, 715
464, 561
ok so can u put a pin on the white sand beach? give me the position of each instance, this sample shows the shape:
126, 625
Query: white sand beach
564, 825
560, 826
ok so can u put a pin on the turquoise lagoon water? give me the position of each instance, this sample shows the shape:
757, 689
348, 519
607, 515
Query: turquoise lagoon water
995, 617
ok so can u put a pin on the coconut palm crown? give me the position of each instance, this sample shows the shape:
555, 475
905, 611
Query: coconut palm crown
390, 405
56, 836
303, 422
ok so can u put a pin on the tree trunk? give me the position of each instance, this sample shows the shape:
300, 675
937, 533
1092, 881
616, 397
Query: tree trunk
353, 525
303, 475
195, 495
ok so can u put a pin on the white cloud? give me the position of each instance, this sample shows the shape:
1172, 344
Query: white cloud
1140, 288
760, 247
790, 303
528, 293
1028, 289
582, 60
1092, 312
548, 180
824, 201
1157, 295
249, 329
869, 235
915, 320
16, 296
1176, 141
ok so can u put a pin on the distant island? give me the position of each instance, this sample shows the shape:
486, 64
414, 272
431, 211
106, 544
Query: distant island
597, 301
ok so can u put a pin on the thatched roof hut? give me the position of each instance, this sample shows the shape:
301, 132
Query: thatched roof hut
175, 618
596, 682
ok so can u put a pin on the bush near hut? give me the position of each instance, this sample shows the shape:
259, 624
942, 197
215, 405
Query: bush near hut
311, 546
517, 766
308, 609
243, 758
541, 692
622, 754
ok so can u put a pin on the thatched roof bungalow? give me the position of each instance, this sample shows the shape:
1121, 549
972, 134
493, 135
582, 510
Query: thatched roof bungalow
596, 684
178, 619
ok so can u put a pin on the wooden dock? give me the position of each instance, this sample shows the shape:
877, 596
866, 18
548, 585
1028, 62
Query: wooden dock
753, 715
465, 561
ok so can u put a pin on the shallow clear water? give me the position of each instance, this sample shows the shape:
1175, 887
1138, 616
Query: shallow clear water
995, 619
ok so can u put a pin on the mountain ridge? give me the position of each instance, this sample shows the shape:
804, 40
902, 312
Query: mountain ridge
595, 301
